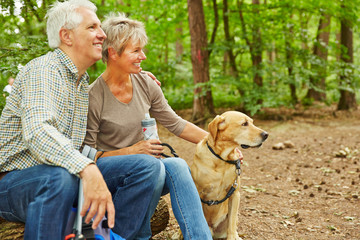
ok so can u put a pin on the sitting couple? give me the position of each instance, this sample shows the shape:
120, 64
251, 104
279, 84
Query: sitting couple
50, 112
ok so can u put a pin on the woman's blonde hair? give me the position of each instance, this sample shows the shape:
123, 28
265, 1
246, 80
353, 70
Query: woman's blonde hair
120, 30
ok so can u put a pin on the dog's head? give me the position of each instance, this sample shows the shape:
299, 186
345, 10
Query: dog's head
236, 128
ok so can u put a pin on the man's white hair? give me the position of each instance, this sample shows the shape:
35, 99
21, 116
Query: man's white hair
64, 15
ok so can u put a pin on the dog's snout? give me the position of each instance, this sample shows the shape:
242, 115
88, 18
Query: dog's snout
264, 135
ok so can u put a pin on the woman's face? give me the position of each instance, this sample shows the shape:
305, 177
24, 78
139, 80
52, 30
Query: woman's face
130, 59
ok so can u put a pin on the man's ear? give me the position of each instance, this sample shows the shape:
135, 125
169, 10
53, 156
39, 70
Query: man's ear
66, 36
215, 125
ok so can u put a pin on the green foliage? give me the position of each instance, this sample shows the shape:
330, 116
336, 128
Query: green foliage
287, 29
3, 96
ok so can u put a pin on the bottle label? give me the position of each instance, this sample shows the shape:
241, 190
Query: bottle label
150, 132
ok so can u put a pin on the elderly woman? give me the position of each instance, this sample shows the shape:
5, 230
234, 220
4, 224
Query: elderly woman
118, 101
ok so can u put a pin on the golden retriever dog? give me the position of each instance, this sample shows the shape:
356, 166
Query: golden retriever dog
216, 169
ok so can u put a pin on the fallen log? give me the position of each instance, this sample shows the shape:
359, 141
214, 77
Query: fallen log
159, 221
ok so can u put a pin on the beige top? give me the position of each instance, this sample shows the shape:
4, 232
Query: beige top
114, 125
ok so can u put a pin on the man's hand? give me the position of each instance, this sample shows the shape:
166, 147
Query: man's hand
153, 77
97, 197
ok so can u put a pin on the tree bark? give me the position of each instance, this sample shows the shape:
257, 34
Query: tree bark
257, 48
203, 102
179, 45
320, 50
347, 98
290, 62
255, 45
11, 230
229, 40
216, 25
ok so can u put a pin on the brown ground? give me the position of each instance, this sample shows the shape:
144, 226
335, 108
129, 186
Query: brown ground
310, 191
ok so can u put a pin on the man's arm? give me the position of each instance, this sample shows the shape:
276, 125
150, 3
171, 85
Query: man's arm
48, 111
97, 197
46, 118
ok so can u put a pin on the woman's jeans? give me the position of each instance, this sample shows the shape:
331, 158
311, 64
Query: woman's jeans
185, 201
42, 196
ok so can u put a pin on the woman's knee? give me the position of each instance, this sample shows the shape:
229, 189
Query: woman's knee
162, 176
176, 164
152, 164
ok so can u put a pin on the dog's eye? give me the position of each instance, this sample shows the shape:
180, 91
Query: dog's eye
245, 124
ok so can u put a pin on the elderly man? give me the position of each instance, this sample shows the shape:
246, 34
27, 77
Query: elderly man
42, 128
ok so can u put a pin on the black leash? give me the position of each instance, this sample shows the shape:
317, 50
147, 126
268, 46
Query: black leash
233, 187
162, 154
171, 150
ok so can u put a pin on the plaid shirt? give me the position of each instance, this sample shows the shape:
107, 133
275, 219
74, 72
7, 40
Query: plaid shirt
44, 120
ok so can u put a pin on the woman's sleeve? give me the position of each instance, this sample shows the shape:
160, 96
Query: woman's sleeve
162, 112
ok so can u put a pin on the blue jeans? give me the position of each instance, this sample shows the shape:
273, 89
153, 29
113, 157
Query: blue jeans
185, 201
42, 196
131, 180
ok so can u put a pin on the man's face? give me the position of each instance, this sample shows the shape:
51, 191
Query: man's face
88, 38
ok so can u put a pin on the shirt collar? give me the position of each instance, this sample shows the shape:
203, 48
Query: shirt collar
65, 59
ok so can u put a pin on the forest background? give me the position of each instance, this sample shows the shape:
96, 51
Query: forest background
243, 54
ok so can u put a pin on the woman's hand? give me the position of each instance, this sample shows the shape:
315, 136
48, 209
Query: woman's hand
152, 76
150, 147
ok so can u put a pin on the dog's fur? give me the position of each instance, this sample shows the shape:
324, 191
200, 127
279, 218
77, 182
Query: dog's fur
214, 177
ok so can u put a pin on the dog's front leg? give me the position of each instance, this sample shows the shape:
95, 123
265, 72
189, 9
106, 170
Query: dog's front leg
234, 204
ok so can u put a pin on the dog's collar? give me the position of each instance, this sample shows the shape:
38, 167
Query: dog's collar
237, 162
233, 187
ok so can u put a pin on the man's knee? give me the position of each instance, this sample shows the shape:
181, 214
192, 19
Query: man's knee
63, 183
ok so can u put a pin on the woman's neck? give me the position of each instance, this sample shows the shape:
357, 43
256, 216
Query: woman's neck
118, 78
119, 84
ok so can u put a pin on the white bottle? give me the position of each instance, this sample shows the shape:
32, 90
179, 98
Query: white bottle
149, 128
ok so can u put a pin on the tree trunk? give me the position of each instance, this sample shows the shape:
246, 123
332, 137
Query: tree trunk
320, 50
159, 221
290, 62
203, 102
179, 45
229, 40
256, 54
216, 24
304, 19
255, 45
11, 230
347, 98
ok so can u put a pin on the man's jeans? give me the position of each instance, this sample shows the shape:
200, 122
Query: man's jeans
42, 196
185, 202
131, 180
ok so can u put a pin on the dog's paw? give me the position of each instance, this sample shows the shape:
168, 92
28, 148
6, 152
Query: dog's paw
234, 237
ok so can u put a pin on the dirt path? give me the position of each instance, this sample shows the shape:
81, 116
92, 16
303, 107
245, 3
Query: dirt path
310, 191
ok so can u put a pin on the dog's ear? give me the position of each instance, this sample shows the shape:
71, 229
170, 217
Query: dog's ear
215, 125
